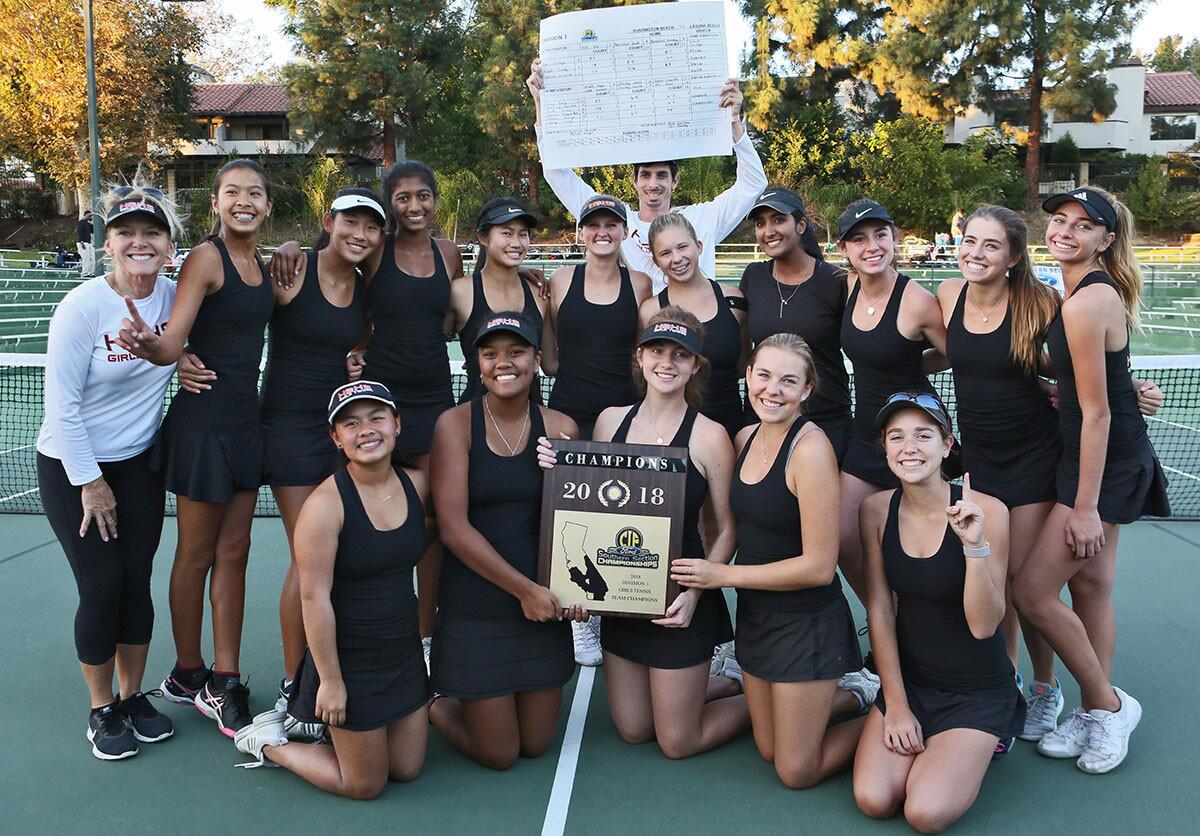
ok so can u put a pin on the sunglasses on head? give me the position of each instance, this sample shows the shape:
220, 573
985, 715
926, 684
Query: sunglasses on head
125, 191
923, 400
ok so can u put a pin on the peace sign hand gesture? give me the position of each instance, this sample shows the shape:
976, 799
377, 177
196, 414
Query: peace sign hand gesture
136, 337
966, 517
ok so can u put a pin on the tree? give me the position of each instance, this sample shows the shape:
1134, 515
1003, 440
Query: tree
143, 86
811, 147
940, 56
903, 168
369, 68
232, 51
1172, 55
1153, 202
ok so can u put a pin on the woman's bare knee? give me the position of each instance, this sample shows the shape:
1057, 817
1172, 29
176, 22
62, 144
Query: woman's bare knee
635, 734
499, 758
876, 801
408, 771
796, 776
928, 815
677, 747
365, 790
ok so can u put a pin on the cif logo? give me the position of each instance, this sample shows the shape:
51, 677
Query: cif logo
613, 492
589, 35
629, 538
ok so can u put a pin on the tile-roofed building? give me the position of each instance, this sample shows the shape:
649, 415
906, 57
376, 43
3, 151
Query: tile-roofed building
1172, 90
230, 99
1156, 113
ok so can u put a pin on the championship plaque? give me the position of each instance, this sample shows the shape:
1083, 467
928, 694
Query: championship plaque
612, 522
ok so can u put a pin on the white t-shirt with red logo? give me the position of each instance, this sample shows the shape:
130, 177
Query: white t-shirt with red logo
102, 404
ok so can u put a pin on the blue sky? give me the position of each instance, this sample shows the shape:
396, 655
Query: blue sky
1165, 17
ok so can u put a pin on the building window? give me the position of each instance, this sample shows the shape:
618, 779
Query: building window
1173, 127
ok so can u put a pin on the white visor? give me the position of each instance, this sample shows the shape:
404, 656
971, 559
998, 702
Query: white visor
357, 201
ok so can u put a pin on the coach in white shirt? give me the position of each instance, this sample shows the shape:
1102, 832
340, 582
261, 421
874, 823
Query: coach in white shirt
655, 181
102, 410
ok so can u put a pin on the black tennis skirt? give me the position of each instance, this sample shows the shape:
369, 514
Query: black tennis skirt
1000, 712
208, 467
299, 458
805, 646
416, 426
383, 685
477, 658
644, 643
1129, 489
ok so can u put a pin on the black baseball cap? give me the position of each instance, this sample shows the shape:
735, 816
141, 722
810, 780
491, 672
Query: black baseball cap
930, 404
511, 321
137, 206
604, 203
1097, 206
503, 211
859, 212
783, 201
359, 390
675, 332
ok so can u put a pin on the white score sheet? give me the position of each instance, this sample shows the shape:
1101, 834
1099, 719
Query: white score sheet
634, 84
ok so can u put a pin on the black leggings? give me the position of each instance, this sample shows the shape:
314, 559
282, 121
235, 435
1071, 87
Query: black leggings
114, 577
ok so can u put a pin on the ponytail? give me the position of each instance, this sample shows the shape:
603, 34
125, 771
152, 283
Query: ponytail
1122, 265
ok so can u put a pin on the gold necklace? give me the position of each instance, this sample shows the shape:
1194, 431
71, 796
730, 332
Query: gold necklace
871, 302
987, 315
512, 449
661, 435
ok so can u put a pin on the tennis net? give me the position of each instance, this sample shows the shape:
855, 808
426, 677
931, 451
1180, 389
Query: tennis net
1175, 430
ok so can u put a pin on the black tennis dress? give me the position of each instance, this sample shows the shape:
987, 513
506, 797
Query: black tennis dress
595, 344
723, 350
378, 646
885, 362
1133, 484
952, 679
407, 351
210, 445
480, 313
1009, 430
307, 344
483, 645
797, 635
645, 643
812, 310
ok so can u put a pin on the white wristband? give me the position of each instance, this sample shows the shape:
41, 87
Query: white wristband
981, 551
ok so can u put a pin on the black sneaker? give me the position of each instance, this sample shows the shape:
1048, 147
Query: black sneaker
110, 734
181, 687
149, 725
1003, 747
228, 706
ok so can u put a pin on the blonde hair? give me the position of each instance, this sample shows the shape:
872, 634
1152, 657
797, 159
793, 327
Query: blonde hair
1032, 305
797, 346
1121, 264
693, 392
670, 220
137, 190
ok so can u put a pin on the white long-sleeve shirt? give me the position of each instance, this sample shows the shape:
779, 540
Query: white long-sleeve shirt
714, 220
102, 404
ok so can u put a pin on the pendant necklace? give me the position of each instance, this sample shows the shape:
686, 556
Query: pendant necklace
512, 449
871, 302
988, 314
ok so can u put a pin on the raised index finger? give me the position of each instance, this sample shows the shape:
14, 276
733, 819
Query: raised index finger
966, 494
139, 324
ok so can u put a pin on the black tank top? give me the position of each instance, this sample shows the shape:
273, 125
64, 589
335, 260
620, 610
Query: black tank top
505, 506
935, 642
480, 311
1000, 405
696, 487
306, 353
723, 350
1127, 428
885, 361
372, 593
813, 311
228, 337
768, 530
595, 343
407, 350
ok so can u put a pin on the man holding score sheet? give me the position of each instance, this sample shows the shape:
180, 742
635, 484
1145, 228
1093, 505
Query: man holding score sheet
656, 180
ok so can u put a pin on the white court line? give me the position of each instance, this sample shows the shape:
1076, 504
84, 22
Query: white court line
16, 495
1173, 424
1183, 473
15, 449
568, 756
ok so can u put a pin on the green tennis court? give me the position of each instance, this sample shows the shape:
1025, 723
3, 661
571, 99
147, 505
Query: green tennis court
52, 784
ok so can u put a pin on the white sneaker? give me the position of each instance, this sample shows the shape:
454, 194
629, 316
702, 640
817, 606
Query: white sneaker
718, 658
1069, 739
427, 648
587, 642
1042, 708
297, 729
862, 684
1108, 742
730, 669
266, 730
